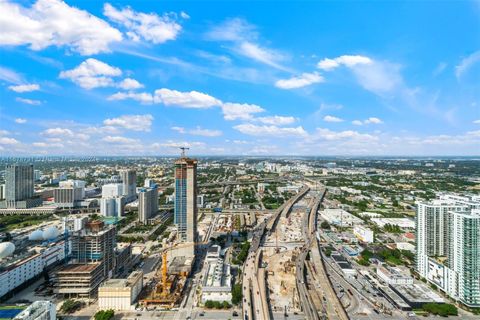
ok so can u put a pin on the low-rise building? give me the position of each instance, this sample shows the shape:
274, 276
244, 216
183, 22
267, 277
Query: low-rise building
38, 310
120, 294
404, 223
363, 234
393, 276
79, 280
217, 285
340, 217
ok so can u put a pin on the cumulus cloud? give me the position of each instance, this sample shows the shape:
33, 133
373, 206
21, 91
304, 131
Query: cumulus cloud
54, 23
29, 101
192, 99
20, 120
477, 121
240, 111
371, 120
255, 130
142, 97
328, 118
24, 88
305, 79
53, 132
8, 141
148, 26
131, 122
276, 120
92, 73
129, 84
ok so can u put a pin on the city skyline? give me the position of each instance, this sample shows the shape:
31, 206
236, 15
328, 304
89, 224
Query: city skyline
323, 78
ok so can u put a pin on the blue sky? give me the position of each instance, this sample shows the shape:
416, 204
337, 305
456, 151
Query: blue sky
240, 78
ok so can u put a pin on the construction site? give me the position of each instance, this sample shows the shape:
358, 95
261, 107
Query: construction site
280, 255
166, 291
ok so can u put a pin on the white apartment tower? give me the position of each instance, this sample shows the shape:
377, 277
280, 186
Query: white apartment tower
448, 246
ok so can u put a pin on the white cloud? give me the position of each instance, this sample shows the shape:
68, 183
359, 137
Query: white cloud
54, 23
24, 88
29, 101
129, 84
239, 111
142, 97
20, 120
276, 120
244, 37
184, 15
373, 120
379, 77
330, 135
131, 122
305, 79
8, 141
10, 75
92, 73
346, 60
148, 26
477, 121
198, 131
467, 63
328, 118
192, 99
119, 140
64, 132
255, 130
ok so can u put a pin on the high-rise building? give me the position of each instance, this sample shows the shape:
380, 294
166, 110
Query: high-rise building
19, 186
112, 190
448, 246
185, 216
112, 207
69, 193
129, 181
147, 204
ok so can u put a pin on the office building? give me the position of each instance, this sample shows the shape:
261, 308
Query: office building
147, 204
19, 187
120, 294
448, 246
38, 310
129, 181
185, 216
69, 193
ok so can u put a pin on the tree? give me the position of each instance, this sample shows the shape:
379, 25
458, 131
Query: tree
104, 314
325, 225
70, 306
237, 294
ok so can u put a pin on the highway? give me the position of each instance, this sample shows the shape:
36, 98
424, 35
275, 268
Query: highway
255, 304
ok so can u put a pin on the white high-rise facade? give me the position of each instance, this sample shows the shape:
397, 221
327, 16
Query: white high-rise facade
147, 204
448, 246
